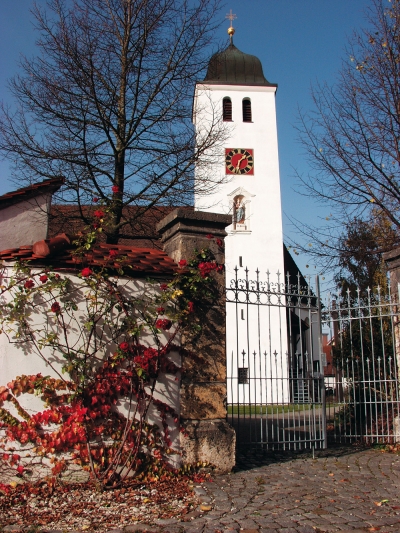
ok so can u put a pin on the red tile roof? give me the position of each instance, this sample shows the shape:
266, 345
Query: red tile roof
27, 193
59, 253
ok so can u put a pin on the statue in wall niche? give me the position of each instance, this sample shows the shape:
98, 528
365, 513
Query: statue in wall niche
239, 210
240, 213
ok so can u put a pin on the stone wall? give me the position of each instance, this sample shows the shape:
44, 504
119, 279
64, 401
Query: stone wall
203, 390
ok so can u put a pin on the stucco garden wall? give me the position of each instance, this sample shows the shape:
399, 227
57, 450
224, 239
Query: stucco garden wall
18, 359
25, 222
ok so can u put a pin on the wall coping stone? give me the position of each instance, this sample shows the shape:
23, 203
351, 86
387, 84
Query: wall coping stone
193, 222
392, 258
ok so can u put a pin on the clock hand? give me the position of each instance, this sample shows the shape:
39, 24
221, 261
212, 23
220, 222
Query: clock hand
238, 163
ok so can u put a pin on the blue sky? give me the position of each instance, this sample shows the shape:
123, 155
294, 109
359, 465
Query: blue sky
297, 41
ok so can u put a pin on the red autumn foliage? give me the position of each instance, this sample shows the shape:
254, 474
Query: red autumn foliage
164, 324
206, 268
124, 346
55, 307
86, 272
91, 414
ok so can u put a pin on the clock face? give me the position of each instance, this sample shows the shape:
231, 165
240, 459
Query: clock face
239, 161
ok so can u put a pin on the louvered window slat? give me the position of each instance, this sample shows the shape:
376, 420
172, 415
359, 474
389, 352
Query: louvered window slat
227, 109
246, 110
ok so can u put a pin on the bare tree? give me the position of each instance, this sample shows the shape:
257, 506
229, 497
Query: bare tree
108, 102
352, 138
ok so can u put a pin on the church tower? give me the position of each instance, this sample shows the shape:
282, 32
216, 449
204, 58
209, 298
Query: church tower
246, 168
247, 163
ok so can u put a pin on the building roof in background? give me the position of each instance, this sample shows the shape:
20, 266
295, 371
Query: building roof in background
292, 269
139, 232
30, 192
58, 253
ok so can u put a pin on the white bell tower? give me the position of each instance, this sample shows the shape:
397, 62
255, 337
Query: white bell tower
236, 91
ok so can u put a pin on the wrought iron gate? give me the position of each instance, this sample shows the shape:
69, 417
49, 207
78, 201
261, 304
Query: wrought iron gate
362, 374
276, 393
302, 374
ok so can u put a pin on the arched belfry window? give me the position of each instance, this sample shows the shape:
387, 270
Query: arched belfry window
246, 106
227, 109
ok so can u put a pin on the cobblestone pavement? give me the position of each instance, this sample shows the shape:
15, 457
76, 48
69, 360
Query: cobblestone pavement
338, 490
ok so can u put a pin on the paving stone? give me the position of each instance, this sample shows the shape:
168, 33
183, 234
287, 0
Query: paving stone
353, 531
133, 528
173, 529
246, 523
165, 521
189, 529
286, 523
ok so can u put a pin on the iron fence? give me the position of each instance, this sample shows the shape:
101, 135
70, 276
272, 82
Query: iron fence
302, 374
362, 374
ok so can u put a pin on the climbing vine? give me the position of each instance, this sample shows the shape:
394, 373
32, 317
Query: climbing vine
110, 346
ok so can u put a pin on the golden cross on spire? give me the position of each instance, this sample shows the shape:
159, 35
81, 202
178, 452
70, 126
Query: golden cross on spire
231, 30
231, 16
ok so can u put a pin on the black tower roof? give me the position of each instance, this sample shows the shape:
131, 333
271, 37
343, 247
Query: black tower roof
234, 67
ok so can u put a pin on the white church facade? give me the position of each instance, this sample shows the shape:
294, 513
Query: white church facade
248, 166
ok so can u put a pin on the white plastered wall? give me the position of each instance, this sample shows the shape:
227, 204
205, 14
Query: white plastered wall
24, 223
17, 360
263, 330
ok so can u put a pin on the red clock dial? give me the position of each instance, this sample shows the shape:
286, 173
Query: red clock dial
239, 161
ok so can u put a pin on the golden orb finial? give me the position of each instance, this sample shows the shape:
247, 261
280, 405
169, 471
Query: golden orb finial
231, 30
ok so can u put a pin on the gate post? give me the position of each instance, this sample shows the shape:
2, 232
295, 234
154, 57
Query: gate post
203, 389
392, 260
321, 379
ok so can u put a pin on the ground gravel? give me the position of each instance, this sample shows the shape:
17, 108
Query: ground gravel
81, 507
